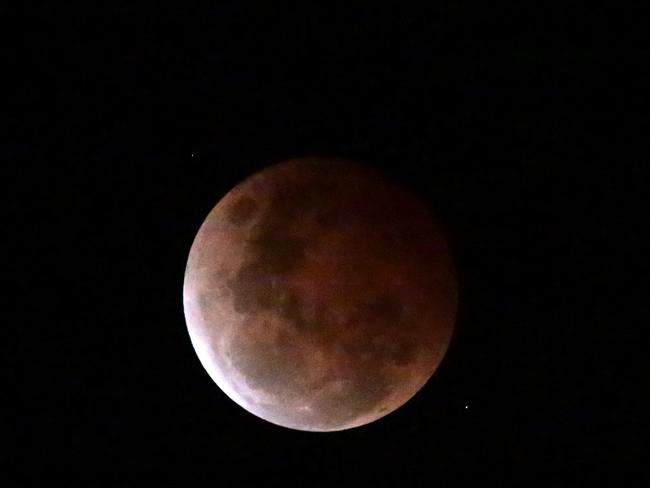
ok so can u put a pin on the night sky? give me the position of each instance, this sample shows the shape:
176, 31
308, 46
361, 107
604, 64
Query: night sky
131, 123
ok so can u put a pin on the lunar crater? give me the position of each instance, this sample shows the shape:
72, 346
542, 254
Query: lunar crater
242, 211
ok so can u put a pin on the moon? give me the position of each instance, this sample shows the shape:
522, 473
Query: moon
319, 295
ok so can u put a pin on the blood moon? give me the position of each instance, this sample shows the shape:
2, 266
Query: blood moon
319, 295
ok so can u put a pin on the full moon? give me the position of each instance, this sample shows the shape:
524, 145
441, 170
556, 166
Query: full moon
319, 295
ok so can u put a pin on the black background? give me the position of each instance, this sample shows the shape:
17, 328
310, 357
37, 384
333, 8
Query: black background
517, 124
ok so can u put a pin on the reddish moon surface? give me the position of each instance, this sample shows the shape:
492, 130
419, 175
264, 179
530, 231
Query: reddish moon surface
319, 295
